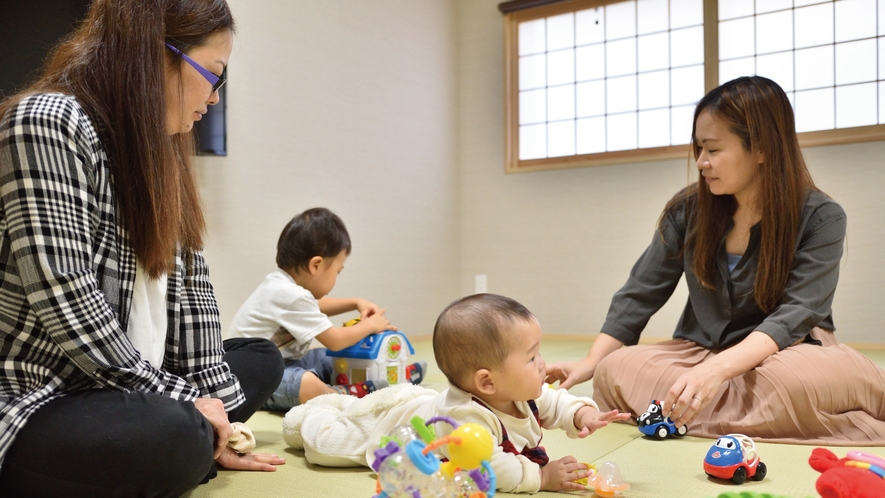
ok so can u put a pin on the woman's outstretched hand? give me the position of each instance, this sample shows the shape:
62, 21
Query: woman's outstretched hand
575, 372
569, 373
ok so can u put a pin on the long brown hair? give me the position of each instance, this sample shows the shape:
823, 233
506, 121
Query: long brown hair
758, 111
114, 64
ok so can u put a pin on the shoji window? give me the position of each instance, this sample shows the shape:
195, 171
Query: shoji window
600, 82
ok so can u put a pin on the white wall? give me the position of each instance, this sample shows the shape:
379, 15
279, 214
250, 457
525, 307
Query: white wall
391, 113
349, 105
562, 242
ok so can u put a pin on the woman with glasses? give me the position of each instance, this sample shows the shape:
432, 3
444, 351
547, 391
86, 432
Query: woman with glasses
115, 380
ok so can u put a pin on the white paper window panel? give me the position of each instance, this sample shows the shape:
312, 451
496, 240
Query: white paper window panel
620, 94
561, 67
560, 31
561, 138
532, 71
532, 37
590, 135
735, 68
814, 25
654, 52
681, 122
882, 102
815, 110
686, 85
590, 26
533, 141
654, 128
590, 62
778, 68
736, 38
590, 98
774, 32
855, 62
533, 106
684, 13
801, 3
654, 90
730, 9
855, 19
620, 20
814, 68
763, 6
620, 57
882, 58
687, 46
561, 102
620, 131
652, 16
856, 105
881, 10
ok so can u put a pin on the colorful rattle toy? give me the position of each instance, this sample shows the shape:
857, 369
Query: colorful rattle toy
407, 467
858, 475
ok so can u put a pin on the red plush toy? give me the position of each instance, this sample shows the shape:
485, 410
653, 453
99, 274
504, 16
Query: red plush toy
859, 475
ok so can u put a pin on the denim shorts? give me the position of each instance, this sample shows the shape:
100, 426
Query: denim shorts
286, 396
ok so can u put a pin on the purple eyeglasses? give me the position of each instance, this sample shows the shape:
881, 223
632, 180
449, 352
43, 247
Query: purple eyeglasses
216, 80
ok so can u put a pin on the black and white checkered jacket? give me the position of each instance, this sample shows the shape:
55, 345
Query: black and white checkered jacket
67, 273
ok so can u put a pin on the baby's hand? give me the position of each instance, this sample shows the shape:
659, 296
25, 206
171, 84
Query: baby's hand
592, 419
561, 474
378, 322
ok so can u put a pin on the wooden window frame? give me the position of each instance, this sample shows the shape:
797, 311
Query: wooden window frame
516, 11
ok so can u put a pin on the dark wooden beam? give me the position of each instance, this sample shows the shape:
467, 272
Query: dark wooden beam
515, 5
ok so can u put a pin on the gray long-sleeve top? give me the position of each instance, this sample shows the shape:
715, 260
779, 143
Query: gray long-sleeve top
723, 316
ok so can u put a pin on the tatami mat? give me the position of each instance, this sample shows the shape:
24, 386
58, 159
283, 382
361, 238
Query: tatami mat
671, 468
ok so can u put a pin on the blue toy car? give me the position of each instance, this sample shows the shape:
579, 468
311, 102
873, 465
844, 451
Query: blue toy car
653, 424
734, 457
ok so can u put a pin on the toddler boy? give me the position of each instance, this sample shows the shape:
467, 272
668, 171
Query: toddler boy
290, 309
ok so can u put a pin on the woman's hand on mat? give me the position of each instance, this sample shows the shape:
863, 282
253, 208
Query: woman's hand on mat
561, 474
590, 419
232, 460
692, 391
213, 410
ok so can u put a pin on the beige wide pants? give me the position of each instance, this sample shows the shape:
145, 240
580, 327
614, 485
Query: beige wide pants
804, 394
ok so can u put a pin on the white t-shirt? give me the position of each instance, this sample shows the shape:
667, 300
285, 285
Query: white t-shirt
284, 312
147, 317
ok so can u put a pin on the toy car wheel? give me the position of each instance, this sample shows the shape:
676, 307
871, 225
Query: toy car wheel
740, 475
681, 431
761, 470
661, 432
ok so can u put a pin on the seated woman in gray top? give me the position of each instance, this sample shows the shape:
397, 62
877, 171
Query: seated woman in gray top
760, 247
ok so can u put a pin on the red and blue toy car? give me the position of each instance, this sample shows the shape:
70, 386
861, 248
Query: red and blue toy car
652, 423
734, 457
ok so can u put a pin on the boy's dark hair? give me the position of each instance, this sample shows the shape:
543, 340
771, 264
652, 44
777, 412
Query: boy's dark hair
315, 232
471, 334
